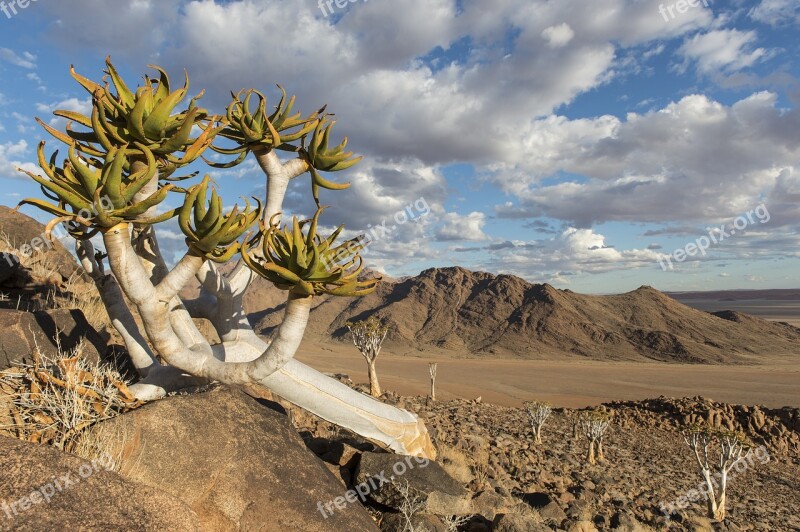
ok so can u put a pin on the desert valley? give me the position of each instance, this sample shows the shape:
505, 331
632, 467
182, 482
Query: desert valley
421, 266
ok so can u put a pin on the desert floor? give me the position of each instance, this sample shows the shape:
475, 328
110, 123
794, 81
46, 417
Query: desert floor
565, 383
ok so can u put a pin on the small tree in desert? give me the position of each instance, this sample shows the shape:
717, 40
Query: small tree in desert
538, 412
368, 337
433, 368
127, 159
594, 424
716, 451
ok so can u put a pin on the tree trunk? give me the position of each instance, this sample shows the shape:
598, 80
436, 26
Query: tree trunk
374, 385
433, 389
537, 435
590, 457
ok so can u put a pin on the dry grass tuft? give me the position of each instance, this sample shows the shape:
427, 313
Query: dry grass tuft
456, 464
54, 401
480, 468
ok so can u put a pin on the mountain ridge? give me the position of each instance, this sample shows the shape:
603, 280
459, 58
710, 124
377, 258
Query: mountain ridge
468, 313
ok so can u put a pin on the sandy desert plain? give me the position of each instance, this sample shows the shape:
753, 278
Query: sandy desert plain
577, 383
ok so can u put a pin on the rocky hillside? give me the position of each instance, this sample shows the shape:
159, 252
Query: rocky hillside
490, 450
456, 310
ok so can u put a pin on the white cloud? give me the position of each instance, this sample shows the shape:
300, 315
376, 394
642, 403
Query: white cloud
24, 60
695, 159
458, 227
10, 152
776, 12
727, 50
558, 36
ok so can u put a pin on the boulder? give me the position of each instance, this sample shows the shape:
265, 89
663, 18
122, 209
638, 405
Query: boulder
23, 332
236, 461
384, 475
519, 523
428, 523
27, 235
9, 266
82, 495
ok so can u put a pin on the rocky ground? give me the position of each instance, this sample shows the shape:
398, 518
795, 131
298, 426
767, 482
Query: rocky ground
647, 464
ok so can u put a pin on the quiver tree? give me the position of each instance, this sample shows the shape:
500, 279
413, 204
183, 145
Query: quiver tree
123, 165
368, 336
594, 424
538, 412
716, 451
433, 367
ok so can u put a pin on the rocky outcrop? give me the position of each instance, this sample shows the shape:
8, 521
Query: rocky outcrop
237, 462
28, 236
776, 428
42, 488
46, 330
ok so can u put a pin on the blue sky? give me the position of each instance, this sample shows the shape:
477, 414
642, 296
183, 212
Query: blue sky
570, 142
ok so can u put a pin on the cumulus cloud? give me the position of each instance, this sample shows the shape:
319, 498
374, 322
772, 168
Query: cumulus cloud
724, 50
10, 154
695, 159
467, 227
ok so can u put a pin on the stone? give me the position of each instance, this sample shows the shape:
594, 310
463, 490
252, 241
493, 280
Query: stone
519, 523
424, 477
237, 462
553, 513
90, 497
23, 332
21, 231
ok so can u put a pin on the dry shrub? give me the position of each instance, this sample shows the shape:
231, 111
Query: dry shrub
456, 464
52, 401
480, 468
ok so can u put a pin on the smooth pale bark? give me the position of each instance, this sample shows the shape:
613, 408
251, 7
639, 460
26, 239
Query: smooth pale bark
374, 385
433, 369
198, 360
243, 358
120, 315
394, 428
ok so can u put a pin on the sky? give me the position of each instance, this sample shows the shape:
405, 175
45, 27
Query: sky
595, 145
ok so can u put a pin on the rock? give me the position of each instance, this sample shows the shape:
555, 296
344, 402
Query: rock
386, 471
624, 521
395, 522
519, 523
21, 231
237, 462
553, 513
90, 498
582, 526
23, 332
489, 504
700, 524
579, 510
9, 266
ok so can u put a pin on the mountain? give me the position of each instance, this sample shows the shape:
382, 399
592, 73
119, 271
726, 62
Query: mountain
481, 314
